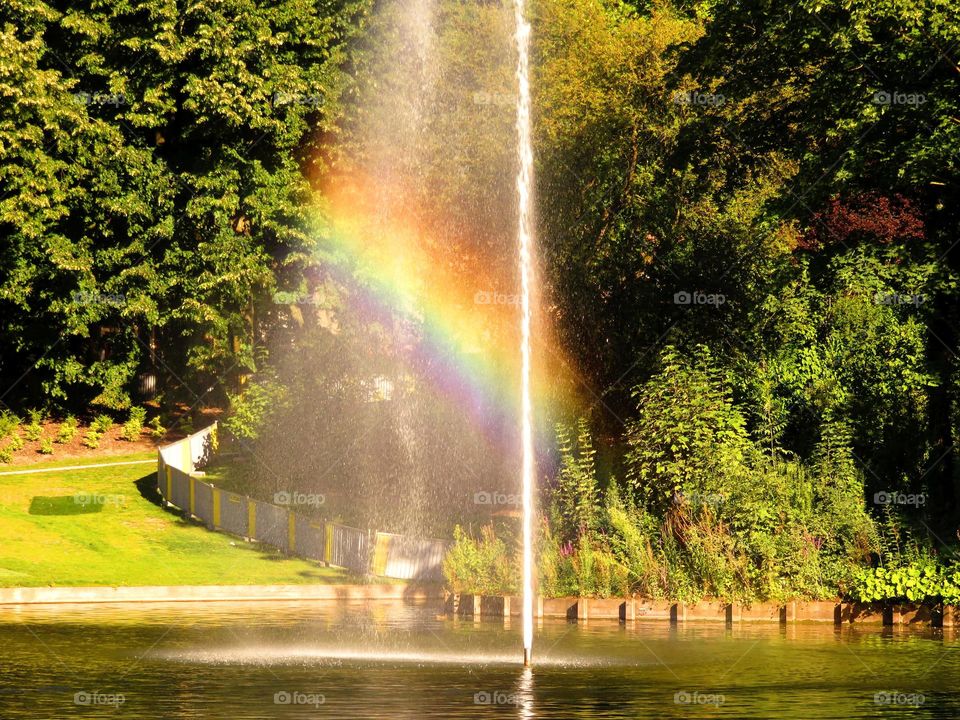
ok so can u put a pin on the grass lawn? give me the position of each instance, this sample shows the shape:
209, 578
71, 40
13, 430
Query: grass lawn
119, 536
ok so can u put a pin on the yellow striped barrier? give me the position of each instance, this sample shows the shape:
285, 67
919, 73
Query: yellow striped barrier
357, 549
381, 551
328, 544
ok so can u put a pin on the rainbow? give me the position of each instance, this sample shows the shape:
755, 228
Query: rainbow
465, 315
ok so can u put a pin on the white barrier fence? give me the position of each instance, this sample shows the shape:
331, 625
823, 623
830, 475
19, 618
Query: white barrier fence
360, 551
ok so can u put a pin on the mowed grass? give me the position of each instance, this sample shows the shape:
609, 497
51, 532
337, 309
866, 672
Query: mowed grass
101, 526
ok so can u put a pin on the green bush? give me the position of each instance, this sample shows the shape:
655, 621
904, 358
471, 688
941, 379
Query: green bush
746, 523
587, 567
923, 580
253, 407
67, 430
598, 571
133, 427
908, 569
16, 442
705, 512
9, 423
46, 446
32, 431
157, 430
6, 456
102, 423
481, 566
631, 533
556, 572
578, 556
92, 438
688, 438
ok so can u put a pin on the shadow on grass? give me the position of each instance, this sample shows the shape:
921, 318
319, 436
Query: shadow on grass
147, 487
63, 505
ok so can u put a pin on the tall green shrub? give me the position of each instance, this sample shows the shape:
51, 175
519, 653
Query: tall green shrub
480, 565
688, 438
576, 498
252, 408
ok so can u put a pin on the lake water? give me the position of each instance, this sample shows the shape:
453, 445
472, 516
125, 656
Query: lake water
240, 661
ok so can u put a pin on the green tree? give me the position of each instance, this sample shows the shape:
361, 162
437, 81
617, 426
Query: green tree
157, 171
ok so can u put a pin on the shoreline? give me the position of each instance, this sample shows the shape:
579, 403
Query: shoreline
213, 593
464, 605
836, 612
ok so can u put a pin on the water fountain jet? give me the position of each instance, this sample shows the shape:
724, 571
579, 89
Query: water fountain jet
525, 238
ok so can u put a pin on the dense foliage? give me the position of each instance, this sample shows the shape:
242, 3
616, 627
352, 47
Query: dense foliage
749, 237
155, 187
751, 243
704, 511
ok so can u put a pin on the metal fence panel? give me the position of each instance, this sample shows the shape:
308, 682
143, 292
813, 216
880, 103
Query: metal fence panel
189, 452
272, 525
201, 446
170, 456
179, 488
394, 556
415, 559
406, 558
349, 548
233, 513
203, 501
310, 537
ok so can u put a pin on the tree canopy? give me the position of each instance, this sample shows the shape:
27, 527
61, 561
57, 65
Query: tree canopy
748, 236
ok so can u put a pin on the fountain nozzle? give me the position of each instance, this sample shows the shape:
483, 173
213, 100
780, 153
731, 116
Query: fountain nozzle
527, 657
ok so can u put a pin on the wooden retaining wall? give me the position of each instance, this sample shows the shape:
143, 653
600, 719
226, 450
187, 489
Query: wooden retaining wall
631, 609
